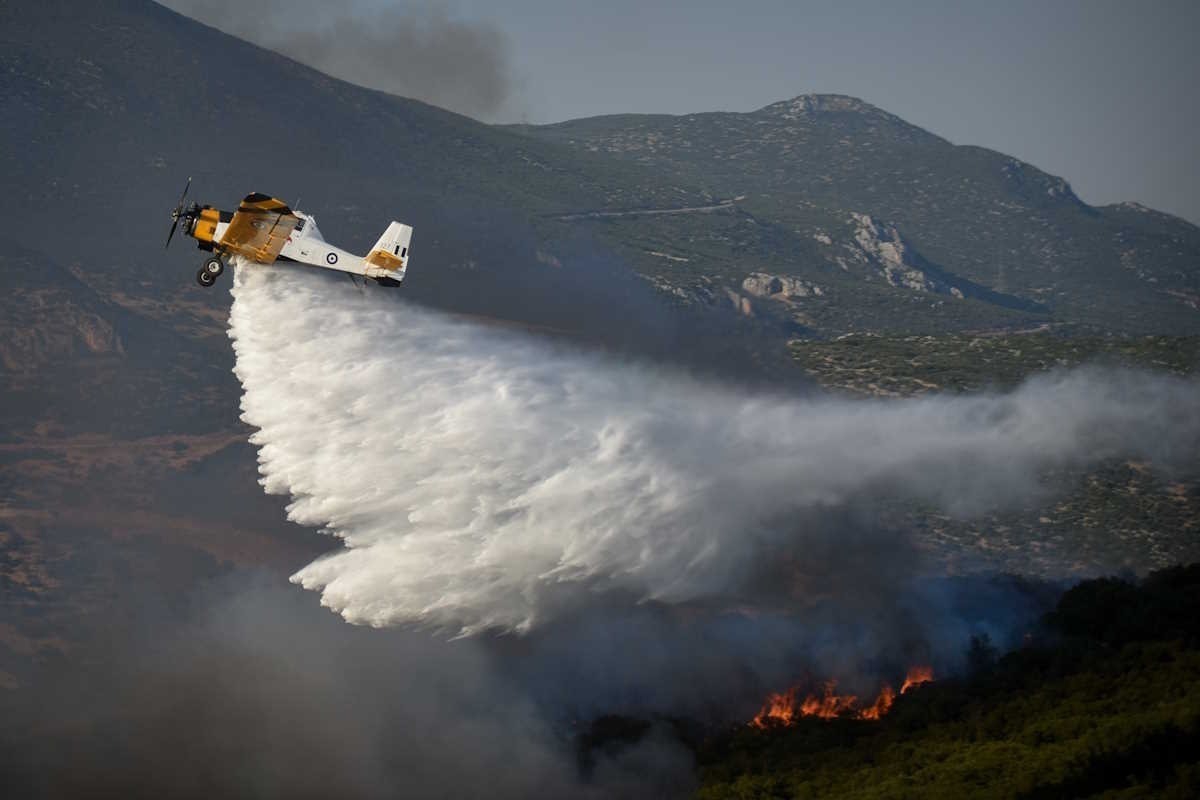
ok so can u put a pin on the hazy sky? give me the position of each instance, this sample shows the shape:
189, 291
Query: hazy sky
1102, 93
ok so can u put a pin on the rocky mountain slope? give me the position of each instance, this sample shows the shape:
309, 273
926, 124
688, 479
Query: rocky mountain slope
855, 190
113, 104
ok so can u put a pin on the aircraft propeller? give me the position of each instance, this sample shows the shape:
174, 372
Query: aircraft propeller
178, 212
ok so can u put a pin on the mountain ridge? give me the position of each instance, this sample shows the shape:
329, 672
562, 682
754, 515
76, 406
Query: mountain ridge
815, 163
133, 92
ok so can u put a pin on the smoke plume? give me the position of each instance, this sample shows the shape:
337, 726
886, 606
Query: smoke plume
247, 690
481, 479
415, 51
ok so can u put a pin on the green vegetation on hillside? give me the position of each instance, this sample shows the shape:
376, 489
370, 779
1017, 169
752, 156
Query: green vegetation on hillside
806, 170
910, 365
1124, 514
1103, 701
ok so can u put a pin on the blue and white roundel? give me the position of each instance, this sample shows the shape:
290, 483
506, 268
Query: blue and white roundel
331, 258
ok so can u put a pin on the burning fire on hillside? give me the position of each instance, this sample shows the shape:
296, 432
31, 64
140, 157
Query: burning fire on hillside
915, 677
787, 708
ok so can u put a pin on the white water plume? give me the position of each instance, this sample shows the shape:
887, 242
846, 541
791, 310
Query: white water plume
481, 478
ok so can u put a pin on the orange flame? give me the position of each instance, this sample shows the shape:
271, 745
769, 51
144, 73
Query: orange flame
787, 708
780, 709
829, 705
883, 704
916, 676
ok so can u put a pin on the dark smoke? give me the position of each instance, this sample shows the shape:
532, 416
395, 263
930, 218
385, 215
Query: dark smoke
414, 50
249, 689
245, 687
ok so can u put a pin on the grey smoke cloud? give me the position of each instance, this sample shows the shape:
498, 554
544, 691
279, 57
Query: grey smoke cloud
246, 689
414, 50
480, 479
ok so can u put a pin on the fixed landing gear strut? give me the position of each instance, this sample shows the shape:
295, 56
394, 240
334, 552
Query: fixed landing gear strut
210, 271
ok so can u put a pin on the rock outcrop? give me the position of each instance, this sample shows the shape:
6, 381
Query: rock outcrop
881, 245
779, 287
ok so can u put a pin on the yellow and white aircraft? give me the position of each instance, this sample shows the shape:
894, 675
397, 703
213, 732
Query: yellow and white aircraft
264, 230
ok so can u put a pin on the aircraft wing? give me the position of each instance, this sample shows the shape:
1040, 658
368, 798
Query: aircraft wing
260, 228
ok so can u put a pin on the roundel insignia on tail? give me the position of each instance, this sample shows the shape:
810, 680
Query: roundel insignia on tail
331, 258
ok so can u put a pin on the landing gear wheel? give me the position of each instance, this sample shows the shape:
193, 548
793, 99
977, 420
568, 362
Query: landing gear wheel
214, 266
205, 278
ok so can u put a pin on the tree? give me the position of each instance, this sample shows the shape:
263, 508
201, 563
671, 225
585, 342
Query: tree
981, 654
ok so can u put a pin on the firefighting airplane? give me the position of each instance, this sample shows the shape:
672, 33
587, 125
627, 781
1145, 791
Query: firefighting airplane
264, 230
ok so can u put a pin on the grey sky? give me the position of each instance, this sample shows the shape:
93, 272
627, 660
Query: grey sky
1102, 93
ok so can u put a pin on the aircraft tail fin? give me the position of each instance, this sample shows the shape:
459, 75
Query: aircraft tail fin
389, 257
